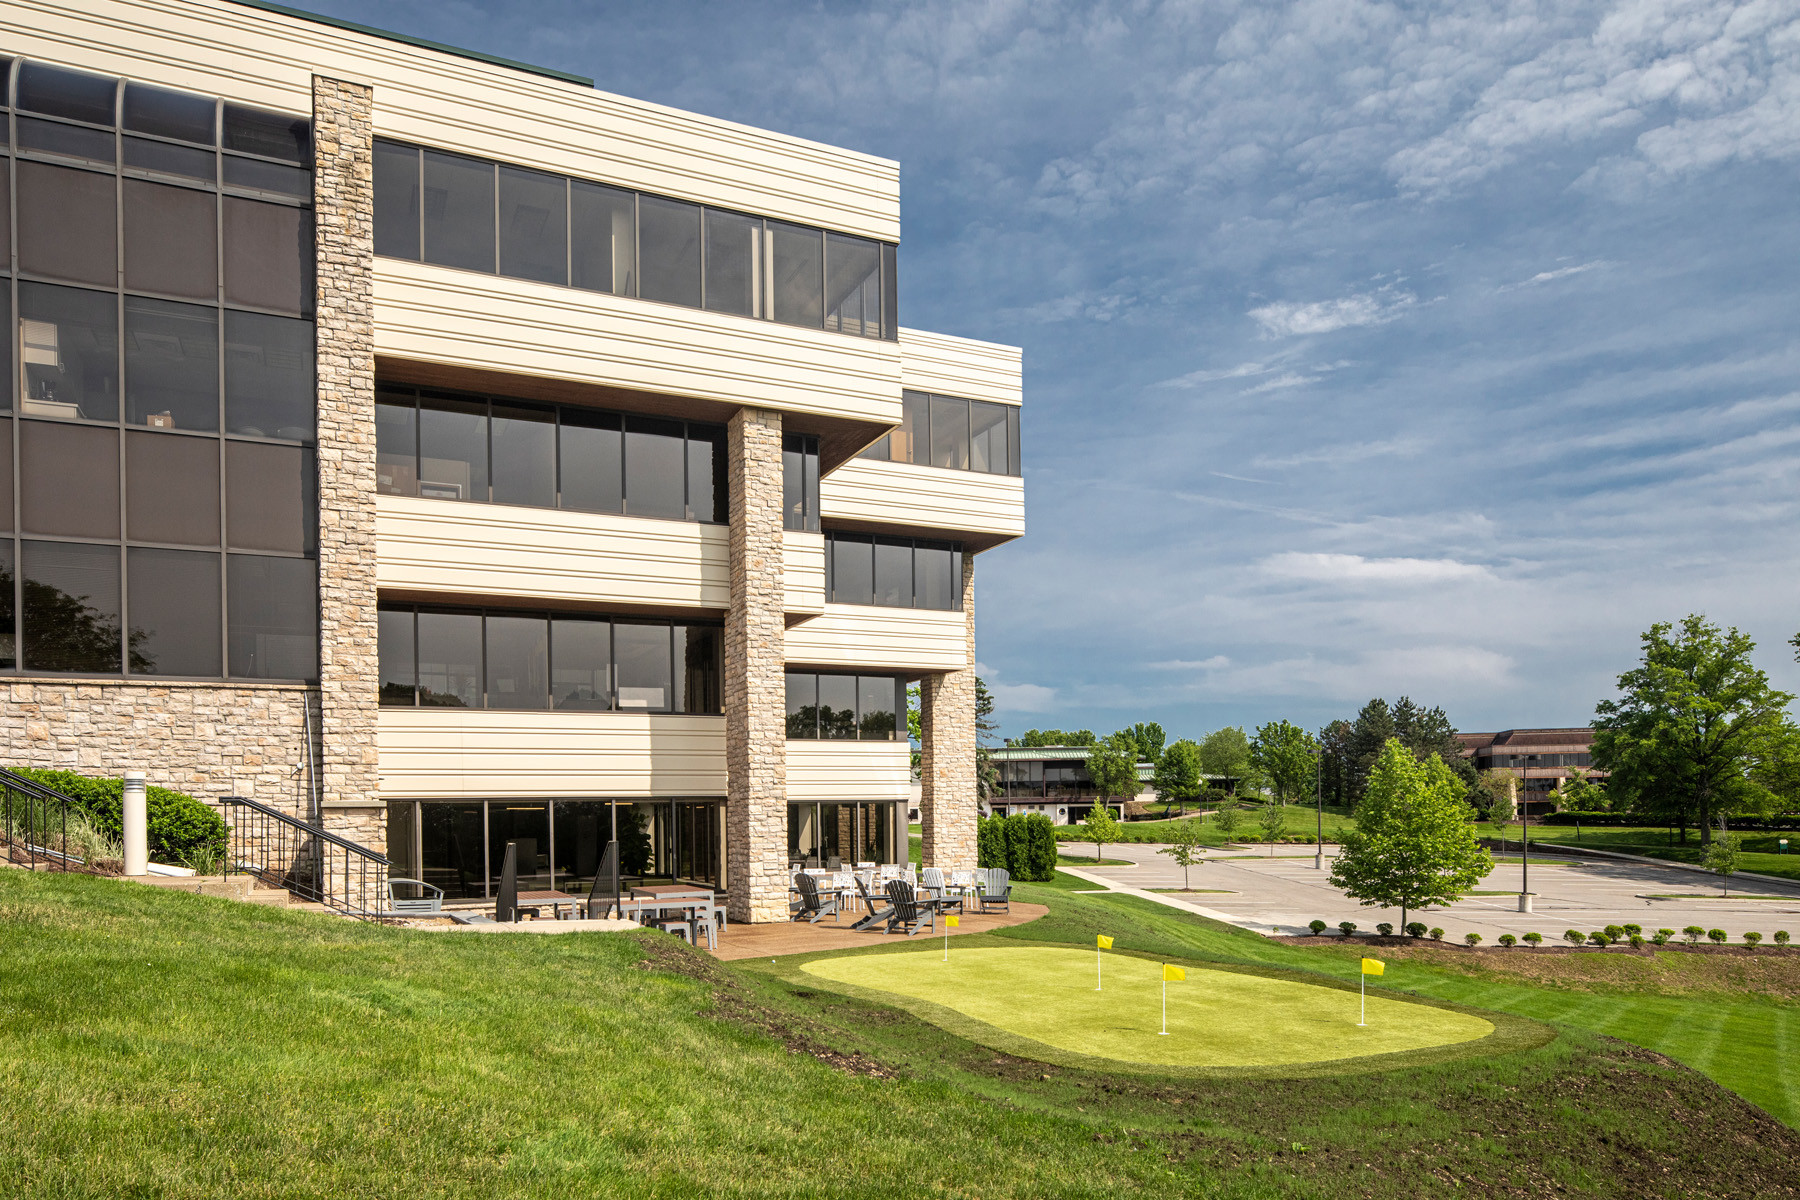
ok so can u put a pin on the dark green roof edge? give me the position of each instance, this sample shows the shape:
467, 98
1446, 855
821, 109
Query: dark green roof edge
391, 36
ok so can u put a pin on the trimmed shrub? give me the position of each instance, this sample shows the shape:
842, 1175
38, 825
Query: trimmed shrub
1781, 937
1031, 847
1437, 935
1347, 927
1693, 933
1752, 939
1716, 936
1631, 929
179, 826
1598, 937
1472, 939
1415, 929
1533, 939
1637, 941
1615, 933
1385, 929
1574, 937
990, 843
1318, 927
1662, 936
1508, 940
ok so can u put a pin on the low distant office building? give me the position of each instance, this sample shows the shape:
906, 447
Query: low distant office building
1541, 759
1054, 781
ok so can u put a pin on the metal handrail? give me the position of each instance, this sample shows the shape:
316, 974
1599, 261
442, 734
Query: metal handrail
21, 835
288, 853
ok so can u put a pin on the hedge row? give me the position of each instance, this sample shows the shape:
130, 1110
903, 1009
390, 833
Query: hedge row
1025, 844
178, 824
1781, 821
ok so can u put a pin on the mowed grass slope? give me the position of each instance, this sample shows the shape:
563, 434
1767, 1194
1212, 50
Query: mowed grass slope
158, 1044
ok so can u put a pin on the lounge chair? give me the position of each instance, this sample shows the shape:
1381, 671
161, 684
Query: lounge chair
910, 913
876, 916
996, 889
813, 903
932, 881
429, 902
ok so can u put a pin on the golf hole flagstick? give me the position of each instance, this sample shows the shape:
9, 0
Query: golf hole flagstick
1370, 966
951, 921
1169, 973
1101, 942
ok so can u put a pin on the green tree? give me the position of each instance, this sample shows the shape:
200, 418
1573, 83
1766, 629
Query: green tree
1693, 721
1226, 816
1581, 794
1185, 846
915, 729
1286, 755
1149, 739
1413, 844
1177, 775
1273, 821
1112, 765
1723, 858
1227, 752
1495, 796
1102, 829
1427, 731
1373, 726
1335, 762
987, 775
1055, 737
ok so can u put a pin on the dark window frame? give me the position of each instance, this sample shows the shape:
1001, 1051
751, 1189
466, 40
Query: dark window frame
834, 537
859, 721
920, 453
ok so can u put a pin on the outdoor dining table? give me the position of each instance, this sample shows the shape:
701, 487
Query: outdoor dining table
550, 898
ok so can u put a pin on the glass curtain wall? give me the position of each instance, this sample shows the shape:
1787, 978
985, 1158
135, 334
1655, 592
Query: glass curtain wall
845, 832
863, 568
947, 431
157, 423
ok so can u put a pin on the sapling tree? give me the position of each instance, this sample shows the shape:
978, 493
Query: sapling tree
1185, 846
1273, 822
1102, 829
1226, 816
1723, 858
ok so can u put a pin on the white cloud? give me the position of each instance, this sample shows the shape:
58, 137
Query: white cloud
1217, 662
1288, 319
1354, 568
1552, 276
1022, 697
1198, 378
1336, 455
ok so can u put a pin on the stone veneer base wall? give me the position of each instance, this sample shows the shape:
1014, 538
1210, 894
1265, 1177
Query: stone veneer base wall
948, 801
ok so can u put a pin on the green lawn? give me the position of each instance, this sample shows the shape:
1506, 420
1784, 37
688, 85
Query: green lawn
1760, 852
159, 1044
1302, 824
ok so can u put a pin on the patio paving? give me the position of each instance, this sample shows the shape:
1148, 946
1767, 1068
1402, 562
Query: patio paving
797, 937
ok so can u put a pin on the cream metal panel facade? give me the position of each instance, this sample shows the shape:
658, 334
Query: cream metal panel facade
446, 547
887, 639
954, 366
439, 99
926, 499
471, 320
453, 753
860, 771
803, 571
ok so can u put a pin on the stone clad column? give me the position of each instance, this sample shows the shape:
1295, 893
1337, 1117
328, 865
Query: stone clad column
755, 686
948, 808
349, 658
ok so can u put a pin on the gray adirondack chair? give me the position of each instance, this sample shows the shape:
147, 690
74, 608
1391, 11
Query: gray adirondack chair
876, 916
996, 888
429, 901
910, 913
813, 903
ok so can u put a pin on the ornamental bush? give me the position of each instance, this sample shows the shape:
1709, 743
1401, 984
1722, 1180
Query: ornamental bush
1348, 927
1472, 939
1781, 937
1598, 937
1637, 941
1415, 929
990, 843
1752, 939
179, 827
1631, 929
1031, 847
1693, 933
1574, 937
1508, 940
1532, 939
1615, 933
1716, 936
1318, 927
1437, 935
1385, 929
1662, 936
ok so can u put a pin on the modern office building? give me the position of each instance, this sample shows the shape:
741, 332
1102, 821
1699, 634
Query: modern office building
1053, 780
1540, 758
454, 454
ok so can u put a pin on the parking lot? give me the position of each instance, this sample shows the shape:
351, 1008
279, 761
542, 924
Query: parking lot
1249, 888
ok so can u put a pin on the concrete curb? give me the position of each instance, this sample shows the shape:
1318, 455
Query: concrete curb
1692, 868
1156, 897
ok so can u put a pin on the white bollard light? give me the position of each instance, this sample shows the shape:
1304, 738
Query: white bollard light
137, 829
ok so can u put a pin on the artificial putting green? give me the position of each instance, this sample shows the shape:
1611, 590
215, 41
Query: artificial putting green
1217, 1018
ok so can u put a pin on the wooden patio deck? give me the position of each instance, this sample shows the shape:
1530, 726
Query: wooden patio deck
797, 937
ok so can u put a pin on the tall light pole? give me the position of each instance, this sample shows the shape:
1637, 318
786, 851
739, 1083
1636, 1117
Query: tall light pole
1319, 801
1524, 855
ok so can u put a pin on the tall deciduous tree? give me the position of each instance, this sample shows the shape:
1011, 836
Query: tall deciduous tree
1413, 844
1112, 765
1149, 738
1177, 778
1227, 752
1185, 845
1286, 756
1692, 724
1056, 737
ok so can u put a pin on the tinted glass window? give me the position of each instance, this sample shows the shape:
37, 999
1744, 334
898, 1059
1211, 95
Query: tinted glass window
518, 661
592, 462
6, 213
253, 174
270, 134
397, 447
697, 667
534, 218
70, 141
459, 211
399, 666
270, 388
6, 483
877, 449
452, 449
793, 481
1017, 462
70, 342
733, 255
937, 571
396, 200
66, 224
669, 245
707, 496
269, 497
172, 490
988, 450
949, 432
268, 256
51, 455
60, 92
71, 617
655, 468
450, 659
875, 708
802, 704
642, 656
837, 707
852, 570
912, 441
890, 292
798, 270
524, 455
581, 650
852, 285
175, 613
603, 255
165, 113
9, 626
170, 236
273, 630
185, 162
893, 575
171, 364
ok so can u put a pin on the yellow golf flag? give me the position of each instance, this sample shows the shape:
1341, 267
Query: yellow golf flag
1173, 974
952, 920
1372, 966
1102, 941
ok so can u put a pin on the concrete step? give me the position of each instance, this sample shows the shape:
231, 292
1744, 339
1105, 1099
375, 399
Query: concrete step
273, 897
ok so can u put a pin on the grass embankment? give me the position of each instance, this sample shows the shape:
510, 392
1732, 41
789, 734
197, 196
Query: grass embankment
1761, 851
1088, 860
1302, 825
161, 1044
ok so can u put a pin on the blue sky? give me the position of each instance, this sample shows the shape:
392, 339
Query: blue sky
1370, 349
